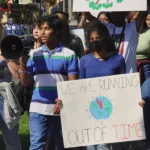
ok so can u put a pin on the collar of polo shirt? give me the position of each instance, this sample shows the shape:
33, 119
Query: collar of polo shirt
57, 49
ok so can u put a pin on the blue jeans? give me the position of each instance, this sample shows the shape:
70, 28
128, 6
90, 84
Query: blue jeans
40, 125
11, 137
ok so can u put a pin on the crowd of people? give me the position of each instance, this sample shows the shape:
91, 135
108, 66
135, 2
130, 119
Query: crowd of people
116, 43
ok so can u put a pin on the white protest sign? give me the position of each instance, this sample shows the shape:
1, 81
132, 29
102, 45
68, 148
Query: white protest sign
101, 110
79, 33
109, 5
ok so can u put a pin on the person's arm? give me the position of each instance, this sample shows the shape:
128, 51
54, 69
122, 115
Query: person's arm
72, 77
26, 72
132, 16
82, 22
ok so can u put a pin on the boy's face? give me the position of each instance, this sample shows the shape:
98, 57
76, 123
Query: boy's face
47, 33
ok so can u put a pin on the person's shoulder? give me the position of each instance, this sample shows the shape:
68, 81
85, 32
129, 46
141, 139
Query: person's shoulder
86, 57
67, 52
35, 51
145, 32
117, 56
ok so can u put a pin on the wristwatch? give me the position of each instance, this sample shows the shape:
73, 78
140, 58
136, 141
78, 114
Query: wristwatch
22, 71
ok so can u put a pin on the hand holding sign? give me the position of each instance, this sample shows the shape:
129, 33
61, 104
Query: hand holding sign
57, 106
142, 103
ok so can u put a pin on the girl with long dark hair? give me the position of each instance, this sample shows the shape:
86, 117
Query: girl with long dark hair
101, 61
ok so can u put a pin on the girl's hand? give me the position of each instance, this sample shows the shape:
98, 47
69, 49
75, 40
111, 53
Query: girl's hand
142, 103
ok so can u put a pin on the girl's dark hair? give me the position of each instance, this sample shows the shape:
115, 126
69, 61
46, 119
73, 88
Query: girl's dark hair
107, 14
65, 33
35, 23
101, 29
144, 26
53, 22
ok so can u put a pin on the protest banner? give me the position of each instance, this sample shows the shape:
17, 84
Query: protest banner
109, 5
101, 110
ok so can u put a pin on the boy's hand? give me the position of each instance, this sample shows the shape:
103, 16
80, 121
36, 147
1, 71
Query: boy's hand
142, 103
56, 109
23, 62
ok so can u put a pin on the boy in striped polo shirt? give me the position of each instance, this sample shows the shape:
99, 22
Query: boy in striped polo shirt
48, 64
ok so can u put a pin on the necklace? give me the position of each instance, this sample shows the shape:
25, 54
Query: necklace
36, 44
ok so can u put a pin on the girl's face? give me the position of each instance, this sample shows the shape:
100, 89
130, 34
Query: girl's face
94, 36
104, 18
36, 32
148, 20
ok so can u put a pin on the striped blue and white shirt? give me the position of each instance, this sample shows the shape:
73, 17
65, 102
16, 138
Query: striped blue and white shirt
49, 67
